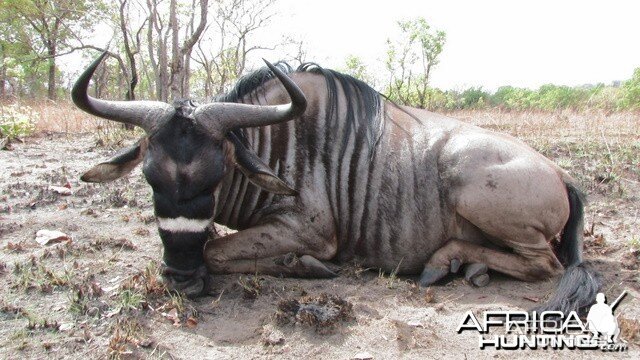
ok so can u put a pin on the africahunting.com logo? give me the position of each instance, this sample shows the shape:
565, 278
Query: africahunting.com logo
512, 330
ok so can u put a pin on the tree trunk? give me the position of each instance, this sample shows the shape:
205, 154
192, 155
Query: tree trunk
51, 87
171, 75
186, 77
179, 85
158, 50
3, 74
176, 56
132, 79
163, 91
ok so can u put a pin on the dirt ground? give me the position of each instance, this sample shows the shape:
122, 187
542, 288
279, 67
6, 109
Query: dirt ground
96, 292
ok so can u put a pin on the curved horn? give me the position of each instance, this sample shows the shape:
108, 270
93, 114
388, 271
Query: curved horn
223, 117
146, 114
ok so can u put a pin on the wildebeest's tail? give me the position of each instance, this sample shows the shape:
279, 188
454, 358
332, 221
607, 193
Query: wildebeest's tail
579, 284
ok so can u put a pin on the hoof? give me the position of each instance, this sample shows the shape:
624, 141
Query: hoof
455, 265
191, 283
191, 288
480, 280
476, 274
316, 268
430, 275
305, 266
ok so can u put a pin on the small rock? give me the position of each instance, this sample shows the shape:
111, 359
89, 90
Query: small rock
65, 326
61, 190
363, 356
146, 343
93, 311
48, 237
429, 296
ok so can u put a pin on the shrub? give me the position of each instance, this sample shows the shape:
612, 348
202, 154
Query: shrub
474, 98
554, 97
441, 100
513, 98
631, 93
604, 98
17, 121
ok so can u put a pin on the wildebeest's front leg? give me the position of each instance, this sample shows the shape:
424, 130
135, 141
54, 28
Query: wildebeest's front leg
271, 249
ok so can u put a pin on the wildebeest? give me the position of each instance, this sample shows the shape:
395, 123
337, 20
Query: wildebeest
316, 168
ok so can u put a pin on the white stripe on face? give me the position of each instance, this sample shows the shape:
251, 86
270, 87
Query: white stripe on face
182, 224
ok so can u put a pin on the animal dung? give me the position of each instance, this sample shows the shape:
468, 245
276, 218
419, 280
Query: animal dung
325, 312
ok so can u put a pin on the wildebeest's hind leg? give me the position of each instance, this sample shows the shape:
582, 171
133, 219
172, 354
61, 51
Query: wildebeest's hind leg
532, 263
270, 249
517, 200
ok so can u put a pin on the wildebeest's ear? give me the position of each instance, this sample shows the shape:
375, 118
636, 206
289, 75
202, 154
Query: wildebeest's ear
119, 165
257, 171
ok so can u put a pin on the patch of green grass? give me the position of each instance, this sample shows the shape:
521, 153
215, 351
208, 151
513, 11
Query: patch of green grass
78, 303
391, 280
176, 300
251, 286
33, 275
21, 338
130, 299
565, 163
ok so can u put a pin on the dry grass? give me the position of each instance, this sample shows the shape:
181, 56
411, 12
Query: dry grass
61, 116
595, 125
64, 117
539, 129
630, 330
598, 148
588, 125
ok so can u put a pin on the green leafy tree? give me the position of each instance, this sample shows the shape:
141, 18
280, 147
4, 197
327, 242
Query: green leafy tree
411, 60
16, 58
51, 28
355, 67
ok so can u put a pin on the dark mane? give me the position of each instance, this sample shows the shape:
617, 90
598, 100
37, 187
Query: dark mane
363, 102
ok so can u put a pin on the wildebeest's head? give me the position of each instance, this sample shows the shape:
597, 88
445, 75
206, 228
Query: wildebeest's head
187, 151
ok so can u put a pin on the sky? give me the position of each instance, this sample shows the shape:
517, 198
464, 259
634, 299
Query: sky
490, 43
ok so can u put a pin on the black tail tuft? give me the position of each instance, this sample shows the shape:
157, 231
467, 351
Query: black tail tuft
579, 285
576, 291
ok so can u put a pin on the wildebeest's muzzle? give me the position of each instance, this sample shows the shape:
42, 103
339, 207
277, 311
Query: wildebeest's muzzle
183, 263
